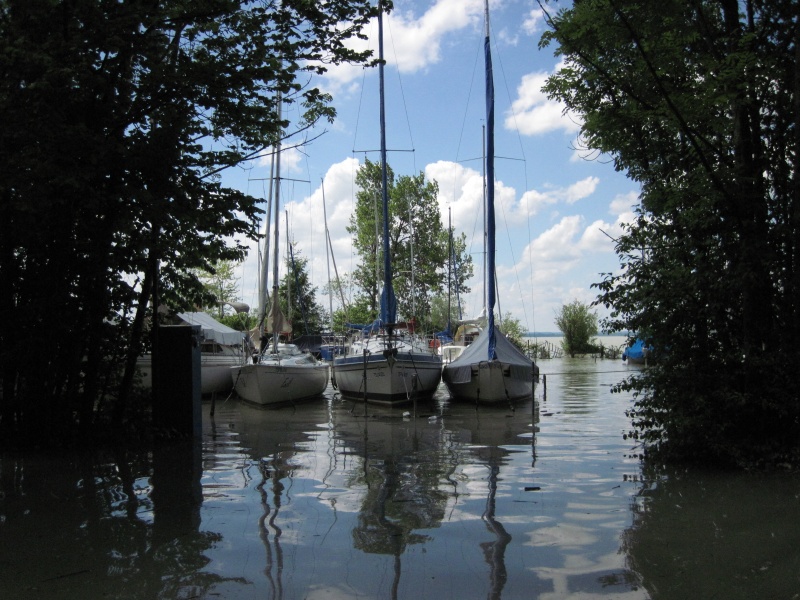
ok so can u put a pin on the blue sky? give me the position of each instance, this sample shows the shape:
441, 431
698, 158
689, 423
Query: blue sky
556, 206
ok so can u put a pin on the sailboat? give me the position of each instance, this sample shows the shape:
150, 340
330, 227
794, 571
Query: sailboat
280, 373
491, 369
388, 364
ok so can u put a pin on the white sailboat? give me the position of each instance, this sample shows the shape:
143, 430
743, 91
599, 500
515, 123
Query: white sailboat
220, 349
389, 364
491, 369
280, 373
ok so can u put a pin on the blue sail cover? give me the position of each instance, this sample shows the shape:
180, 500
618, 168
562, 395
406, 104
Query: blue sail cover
490, 224
445, 337
388, 300
376, 325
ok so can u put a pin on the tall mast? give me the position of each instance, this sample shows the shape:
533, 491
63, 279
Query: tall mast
327, 254
485, 226
263, 294
449, 265
275, 251
490, 224
388, 302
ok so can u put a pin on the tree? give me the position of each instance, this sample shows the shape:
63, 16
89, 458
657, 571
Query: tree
418, 242
578, 324
219, 283
306, 315
117, 120
359, 311
512, 328
439, 313
697, 102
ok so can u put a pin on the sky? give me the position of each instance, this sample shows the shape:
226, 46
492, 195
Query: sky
557, 207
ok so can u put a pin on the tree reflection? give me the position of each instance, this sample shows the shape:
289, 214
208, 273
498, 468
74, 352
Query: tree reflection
716, 534
120, 524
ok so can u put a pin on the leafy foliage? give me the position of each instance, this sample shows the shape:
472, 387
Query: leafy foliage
220, 285
306, 315
578, 324
698, 103
117, 119
415, 229
512, 328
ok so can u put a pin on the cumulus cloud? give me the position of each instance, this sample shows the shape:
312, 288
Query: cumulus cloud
291, 160
597, 237
624, 203
533, 113
307, 227
415, 41
581, 189
460, 190
533, 22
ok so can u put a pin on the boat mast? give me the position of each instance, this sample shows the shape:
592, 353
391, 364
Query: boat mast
490, 223
449, 266
388, 302
327, 254
485, 228
263, 294
290, 273
275, 251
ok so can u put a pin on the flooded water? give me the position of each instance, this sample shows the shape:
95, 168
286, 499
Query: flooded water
337, 500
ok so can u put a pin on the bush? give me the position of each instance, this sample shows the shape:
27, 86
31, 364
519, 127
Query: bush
578, 324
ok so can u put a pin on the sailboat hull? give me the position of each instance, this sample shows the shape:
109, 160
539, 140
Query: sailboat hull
401, 379
491, 382
508, 377
275, 385
214, 371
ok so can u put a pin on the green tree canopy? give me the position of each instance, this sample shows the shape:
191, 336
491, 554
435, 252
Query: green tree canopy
578, 324
512, 328
117, 119
219, 283
299, 299
698, 103
418, 243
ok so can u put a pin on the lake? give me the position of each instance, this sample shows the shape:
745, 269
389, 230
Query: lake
336, 500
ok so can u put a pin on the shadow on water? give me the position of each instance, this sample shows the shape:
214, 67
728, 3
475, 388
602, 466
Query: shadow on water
716, 535
333, 499
81, 526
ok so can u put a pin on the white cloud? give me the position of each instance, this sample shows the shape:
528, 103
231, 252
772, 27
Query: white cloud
580, 190
534, 201
624, 203
596, 238
307, 228
532, 24
558, 244
533, 113
411, 42
460, 189
291, 160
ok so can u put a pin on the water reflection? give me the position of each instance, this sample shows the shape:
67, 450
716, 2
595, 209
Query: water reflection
331, 500
707, 534
83, 525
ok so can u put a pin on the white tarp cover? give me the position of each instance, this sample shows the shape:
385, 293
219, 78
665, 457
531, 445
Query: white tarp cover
212, 329
460, 370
